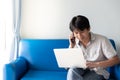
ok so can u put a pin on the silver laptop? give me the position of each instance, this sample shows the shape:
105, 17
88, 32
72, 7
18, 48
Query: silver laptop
70, 57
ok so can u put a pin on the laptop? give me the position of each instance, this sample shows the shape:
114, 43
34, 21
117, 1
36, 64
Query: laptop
70, 57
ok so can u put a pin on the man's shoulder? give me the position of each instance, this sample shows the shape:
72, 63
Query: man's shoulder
99, 36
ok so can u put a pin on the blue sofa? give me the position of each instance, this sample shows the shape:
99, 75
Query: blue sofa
37, 61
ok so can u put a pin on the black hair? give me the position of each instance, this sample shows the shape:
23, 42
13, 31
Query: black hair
79, 22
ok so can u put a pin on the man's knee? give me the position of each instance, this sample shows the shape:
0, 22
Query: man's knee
73, 74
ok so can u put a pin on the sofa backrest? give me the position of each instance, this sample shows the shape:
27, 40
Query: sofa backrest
39, 52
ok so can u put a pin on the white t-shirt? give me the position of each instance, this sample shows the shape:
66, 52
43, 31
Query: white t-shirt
99, 48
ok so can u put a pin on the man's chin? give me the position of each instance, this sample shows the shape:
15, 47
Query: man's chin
80, 40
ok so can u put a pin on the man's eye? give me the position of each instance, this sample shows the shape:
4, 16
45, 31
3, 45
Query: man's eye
76, 32
82, 32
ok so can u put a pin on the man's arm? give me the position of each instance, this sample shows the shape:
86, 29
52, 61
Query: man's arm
106, 63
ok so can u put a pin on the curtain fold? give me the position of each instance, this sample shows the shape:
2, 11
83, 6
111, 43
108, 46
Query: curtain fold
16, 29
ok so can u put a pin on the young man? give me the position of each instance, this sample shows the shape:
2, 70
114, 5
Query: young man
97, 49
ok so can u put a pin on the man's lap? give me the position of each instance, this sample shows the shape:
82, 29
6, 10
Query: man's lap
83, 74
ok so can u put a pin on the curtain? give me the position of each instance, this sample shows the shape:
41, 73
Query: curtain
16, 29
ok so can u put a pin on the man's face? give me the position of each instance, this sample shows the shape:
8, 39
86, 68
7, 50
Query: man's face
81, 35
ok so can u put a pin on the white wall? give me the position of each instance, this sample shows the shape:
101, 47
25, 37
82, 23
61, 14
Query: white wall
50, 18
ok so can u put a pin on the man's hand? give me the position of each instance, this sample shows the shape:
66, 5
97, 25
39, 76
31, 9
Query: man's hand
91, 64
72, 40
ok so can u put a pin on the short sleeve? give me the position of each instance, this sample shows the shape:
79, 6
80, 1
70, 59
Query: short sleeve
108, 49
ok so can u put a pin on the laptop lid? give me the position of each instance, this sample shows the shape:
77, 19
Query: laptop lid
70, 57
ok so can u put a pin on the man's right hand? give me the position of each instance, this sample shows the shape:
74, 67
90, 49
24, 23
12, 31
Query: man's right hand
72, 40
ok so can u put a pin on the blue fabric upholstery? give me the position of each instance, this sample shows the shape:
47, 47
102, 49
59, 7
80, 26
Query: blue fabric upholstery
45, 75
114, 70
16, 69
39, 53
37, 61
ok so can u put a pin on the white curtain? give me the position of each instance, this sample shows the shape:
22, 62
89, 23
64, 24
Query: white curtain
16, 29
6, 23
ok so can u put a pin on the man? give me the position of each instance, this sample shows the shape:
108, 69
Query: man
97, 49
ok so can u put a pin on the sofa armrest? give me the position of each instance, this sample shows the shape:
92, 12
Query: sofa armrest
16, 69
114, 72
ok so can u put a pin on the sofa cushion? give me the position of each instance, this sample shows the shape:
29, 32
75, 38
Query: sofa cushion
44, 75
